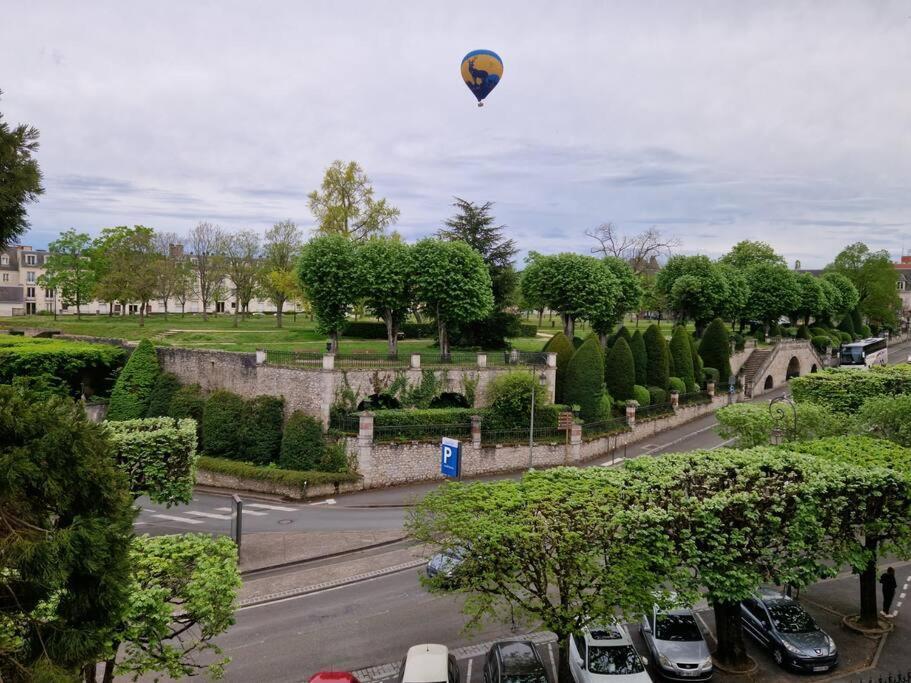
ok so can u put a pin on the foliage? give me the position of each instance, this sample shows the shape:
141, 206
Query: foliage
734, 307
133, 388
695, 288
188, 402
606, 411
158, 456
362, 329
509, 400
585, 379
327, 270
222, 434
345, 205
715, 349
657, 396
532, 283
658, 357
620, 370
865, 331
262, 429
874, 277
710, 375
526, 330
563, 347
888, 417
276, 277
384, 275
126, 265
20, 178
286, 477
846, 296
812, 301
681, 352
303, 443
241, 251
41, 387
579, 287
773, 292
677, 384
821, 342
642, 395
845, 391
74, 363
68, 269
166, 386
752, 423
640, 357
67, 520
488, 333
847, 325
747, 253
627, 297
803, 332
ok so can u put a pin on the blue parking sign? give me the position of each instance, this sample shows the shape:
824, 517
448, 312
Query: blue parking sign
450, 457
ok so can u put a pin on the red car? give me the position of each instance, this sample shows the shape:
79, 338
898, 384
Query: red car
333, 677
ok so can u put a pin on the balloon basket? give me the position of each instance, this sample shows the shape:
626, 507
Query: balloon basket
480, 104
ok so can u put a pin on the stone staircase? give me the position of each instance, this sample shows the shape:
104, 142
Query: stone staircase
754, 363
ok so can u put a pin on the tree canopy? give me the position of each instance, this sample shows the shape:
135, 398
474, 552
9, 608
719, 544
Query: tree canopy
578, 287
875, 278
327, 270
748, 253
68, 269
277, 280
773, 292
385, 273
20, 178
345, 204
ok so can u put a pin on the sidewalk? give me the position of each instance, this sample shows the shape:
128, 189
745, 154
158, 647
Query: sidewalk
273, 549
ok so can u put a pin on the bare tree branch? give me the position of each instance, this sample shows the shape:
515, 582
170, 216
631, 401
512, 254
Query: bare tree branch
638, 250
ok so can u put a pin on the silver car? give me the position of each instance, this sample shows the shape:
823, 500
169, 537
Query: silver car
677, 645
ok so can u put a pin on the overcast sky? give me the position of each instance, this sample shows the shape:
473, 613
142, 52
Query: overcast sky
788, 122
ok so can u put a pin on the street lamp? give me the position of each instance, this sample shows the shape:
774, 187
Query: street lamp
776, 431
542, 380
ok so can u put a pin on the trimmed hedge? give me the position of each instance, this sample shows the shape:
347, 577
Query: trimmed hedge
222, 425
682, 353
710, 375
188, 401
563, 347
509, 401
303, 444
423, 417
847, 325
740, 341
585, 379
640, 357
865, 331
677, 384
657, 396
845, 391
642, 395
658, 363
276, 475
377, 330
166, 386
821, 342
715, 349
620, 370
528, 330
133, 389
262, 437
804, 333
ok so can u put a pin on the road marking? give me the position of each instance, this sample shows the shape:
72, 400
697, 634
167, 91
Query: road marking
615, 461
210, 515
328, 501
225, 509
270, 507
175, 518
902, 596
139, 523
468, 675
724, 443
553, 664
255, 513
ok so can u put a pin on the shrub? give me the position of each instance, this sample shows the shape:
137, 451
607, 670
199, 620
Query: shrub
715, 349
577, 342
697, 363
803, 333
133, 389
710, 375
450, 399
377, 330
488, 333
606, 411
677, 384
335, 458
585, 379
845, 391
286, 477
682, 353
847, 325
263, 429
774, 329
888, 417
41, 387
620, 370
739, 341
563, 347
789, 332
657, 364
223, 425
188, 401
159, 456
162, 394
640, 357
874, 329
303, 443
623, 332
527, 330
865, 331
642, 395
856, 321
821, 342
759, 336
657, 396
424, 417
752, 423
509, 400
845, 337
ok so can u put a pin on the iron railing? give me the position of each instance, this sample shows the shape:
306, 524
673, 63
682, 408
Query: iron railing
695, 397
521, 435
898, 677
654, 411
345, 423
616, 425
295, 359
421, 432
371, 360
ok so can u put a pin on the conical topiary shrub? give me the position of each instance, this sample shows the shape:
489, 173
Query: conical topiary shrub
637, 346
563, 347
658, 364
585, 379
682, 355
715, 349
620, 370
133, 388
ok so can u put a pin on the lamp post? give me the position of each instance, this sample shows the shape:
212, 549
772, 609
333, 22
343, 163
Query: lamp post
776, 431
542, 379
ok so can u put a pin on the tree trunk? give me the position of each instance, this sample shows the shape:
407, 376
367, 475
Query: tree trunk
392, 333
869, 615
142, 314
110, 309
108, 671
333, 341
278, 313
602, 337
183, 309
236, 314
569, 325
731, 650
564, 675
540, 317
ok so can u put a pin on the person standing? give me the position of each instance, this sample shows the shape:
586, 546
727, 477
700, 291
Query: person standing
889, 585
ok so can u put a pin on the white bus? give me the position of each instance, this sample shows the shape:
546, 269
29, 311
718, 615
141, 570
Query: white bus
865, 353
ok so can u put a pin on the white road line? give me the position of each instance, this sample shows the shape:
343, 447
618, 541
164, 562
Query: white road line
210, 515
902, 596
175, 518
328, 501
255, 513
553, 665
468, 675
225, 509
139, 523
724, 443
269, 507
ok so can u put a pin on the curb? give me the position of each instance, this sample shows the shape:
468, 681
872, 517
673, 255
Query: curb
294, 563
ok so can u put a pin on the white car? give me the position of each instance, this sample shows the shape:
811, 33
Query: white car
429, 663
605, 654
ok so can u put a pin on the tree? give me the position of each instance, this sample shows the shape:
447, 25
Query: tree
68, 269
812, 301
453, 284
847, 296
694, 288
747, 253
65, 533
131, 258
585, 380
773, 292
682, 355
170, 268
658, 358
241, 254
206, 242
640, 251
328, 273
715, 349
620, 371
182, 592
563, 347
532, 285
734, 307
579, 287
277, 279
20, 178
555, 549
875, 279
628, 294
384, 278
640, 358
111, 284
133, 389
345, 205
653, 299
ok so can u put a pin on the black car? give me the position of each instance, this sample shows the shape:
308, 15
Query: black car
788, 632
514, 661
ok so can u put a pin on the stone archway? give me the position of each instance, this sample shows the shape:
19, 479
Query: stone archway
793, 368
769, 383
813, 369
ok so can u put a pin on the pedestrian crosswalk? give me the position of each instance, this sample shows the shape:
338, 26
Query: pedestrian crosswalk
191, 515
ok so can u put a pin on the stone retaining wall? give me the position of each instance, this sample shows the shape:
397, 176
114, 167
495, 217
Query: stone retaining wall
225, 481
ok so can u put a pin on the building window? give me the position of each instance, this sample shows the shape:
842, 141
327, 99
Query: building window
29, 259
29, 292
4, 260
30, 276
902, 285
49, 294
6, 277
49, 308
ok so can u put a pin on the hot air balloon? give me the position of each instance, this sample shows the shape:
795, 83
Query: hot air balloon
481, 71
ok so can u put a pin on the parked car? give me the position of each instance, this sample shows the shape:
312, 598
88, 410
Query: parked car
445, 565
605, 654
429, 663
780, 624
514, 661
333, 677
677, 645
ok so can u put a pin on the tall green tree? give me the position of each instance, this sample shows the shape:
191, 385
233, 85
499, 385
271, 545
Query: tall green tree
561, 345
241, 256
773, 292
111, 275
277, 279
640, 357
694, 288
627, 298
578, 287
847, 297
875, 278
68, 269
658, 358
748, 253
715, 349
20, 178
812, 302
133, 261
327, 270
385, 274
734, 307
345, 204
620, 370
452, 282
133, 388
682, 355
532, 285
585, 380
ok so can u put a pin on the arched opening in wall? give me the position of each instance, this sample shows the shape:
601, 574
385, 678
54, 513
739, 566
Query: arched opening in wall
793, 368
814, 368
450, 399
769, 383
379, 402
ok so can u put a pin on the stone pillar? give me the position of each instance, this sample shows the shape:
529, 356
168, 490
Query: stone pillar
550, 371
482, 360
365, 448
415, 360
675, 400
328, 361
710, 389
631, 413
574, 453
476, 431
260, 356
327, 392
365, 428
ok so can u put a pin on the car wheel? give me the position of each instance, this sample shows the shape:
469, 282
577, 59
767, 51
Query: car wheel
778, 657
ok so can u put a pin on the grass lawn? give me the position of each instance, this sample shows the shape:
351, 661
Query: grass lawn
256, 332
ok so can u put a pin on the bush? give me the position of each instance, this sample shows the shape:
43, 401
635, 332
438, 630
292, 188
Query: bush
606, 411
528, 330
450, 399
752, 423
296, 478
682, 354
774, 329
377, 330
563, 347
642, 395
620, 370
803, 333
303, 443
657, 396
41, 387
697, 363
874, 329
335, 458
759, 336
222, 425
677, 384
847, 325
162, 394
585, 379
577, 342
865, 331
740, 341
845, 391
710, 375
622, 331
789, 332
133, 389
658, 363
488, 333
821, 342
263, 429
845, 337
640, 357
422, 417
715, 349
509, 401
188, 401
888, 417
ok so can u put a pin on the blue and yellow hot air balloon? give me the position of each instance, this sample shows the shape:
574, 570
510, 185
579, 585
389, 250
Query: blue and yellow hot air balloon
481, 71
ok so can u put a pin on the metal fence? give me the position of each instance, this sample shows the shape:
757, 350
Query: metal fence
295, 359
899, 677
694, 397
371, 360
521, 436
616, 425
644, 413
347, 424
420, 432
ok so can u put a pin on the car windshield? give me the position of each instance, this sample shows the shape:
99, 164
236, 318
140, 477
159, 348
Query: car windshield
790, 618
679, 627
617, 659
